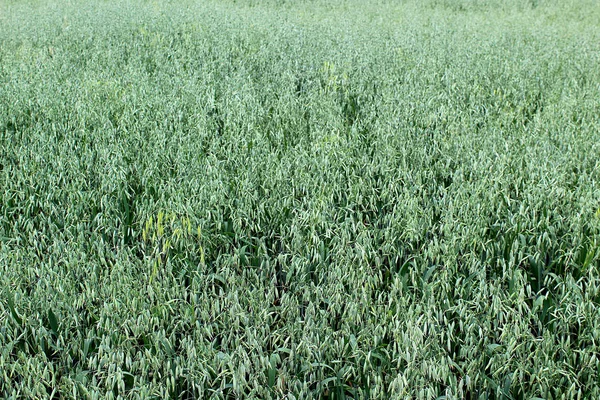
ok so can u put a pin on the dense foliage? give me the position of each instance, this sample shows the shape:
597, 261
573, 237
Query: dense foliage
308, 199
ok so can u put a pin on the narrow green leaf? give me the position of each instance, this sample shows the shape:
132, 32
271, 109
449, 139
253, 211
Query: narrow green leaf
13, 311
53, 322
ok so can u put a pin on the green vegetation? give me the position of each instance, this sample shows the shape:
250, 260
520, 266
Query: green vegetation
313, 199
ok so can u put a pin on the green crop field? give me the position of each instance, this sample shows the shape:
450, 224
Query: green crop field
304, 199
